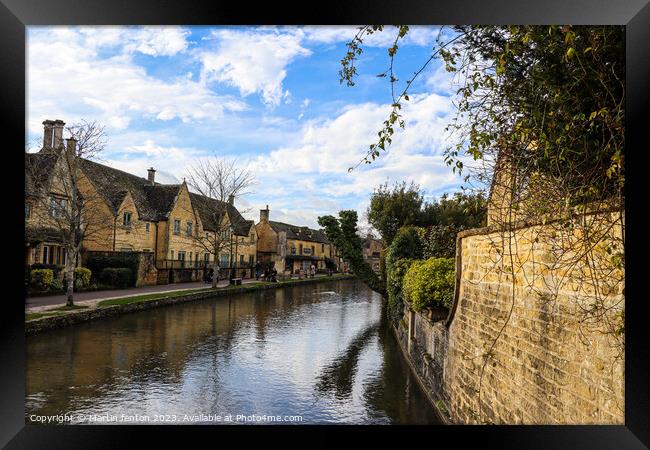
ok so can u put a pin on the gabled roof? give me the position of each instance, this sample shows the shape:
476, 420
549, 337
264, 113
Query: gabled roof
300, 233
38, 168
153, 202
209, 208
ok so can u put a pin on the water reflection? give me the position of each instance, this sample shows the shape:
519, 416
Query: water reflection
319, 351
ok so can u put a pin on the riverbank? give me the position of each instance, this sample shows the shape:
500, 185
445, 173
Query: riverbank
63, 317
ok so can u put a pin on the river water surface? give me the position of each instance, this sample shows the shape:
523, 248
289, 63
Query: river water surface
316, 353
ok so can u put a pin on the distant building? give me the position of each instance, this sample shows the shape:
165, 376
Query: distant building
371, 249
291, 248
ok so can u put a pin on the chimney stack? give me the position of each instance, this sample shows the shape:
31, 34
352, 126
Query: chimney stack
151, 175
58, 133
47, 134
71, 146
231, 199
264, 214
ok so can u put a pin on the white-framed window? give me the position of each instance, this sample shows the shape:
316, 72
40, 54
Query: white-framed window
181, 255
188, 228
177, 226
126, 218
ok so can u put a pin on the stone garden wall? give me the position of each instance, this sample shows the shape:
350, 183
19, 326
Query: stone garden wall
540, 356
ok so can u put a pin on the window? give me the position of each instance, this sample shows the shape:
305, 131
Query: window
322, 248
241, 260
181, 255
126, 219
146, 226
300, 251
177, 226
28, 210
189, 228
250, 260
206, 257
57, 205
190, 256
172, 253
223, 260
46, 251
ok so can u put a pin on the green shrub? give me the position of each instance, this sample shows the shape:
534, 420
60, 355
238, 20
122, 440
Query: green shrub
440, 241
53, 267
395, 271
407, 244
41, 278
56, 285
82, 276
97, 262
430, 283
116, 276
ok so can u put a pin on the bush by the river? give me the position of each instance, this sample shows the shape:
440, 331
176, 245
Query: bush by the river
440, 241
407, 243
116, 276
430, 283
395, 271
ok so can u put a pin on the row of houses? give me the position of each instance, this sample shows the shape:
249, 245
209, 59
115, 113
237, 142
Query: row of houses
166, 221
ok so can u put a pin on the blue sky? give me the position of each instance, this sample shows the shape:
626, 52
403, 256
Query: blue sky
269, 96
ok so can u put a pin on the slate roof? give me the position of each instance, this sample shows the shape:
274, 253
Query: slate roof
208, 208
153, 202
300, 233
38, 168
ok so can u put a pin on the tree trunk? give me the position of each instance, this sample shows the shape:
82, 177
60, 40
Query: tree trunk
69, 275
215, 274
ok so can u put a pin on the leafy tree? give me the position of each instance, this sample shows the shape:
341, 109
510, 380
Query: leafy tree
407, 244
394, 207
342, 232
461, 210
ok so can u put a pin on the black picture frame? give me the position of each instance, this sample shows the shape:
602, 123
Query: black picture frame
15, 15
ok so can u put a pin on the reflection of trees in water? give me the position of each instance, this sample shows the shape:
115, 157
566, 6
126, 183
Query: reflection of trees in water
338, 375
391, 393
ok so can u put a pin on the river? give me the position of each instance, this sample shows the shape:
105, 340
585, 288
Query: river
309, 354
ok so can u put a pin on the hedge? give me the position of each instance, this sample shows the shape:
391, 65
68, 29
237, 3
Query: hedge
100, 261
41, 278
430, 283
116, 276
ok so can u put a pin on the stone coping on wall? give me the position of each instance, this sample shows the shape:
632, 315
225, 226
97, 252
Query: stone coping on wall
517, 225
85, 315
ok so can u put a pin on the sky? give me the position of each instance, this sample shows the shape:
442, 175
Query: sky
268, 96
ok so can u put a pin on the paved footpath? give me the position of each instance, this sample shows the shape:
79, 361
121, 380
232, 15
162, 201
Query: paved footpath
35, 304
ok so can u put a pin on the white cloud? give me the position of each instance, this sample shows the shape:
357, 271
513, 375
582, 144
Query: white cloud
252, 61
67, 78
152, 41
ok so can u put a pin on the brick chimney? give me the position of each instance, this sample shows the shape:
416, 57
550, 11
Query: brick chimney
47, 134
231, 199
151, 175
264, 214
57, 126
